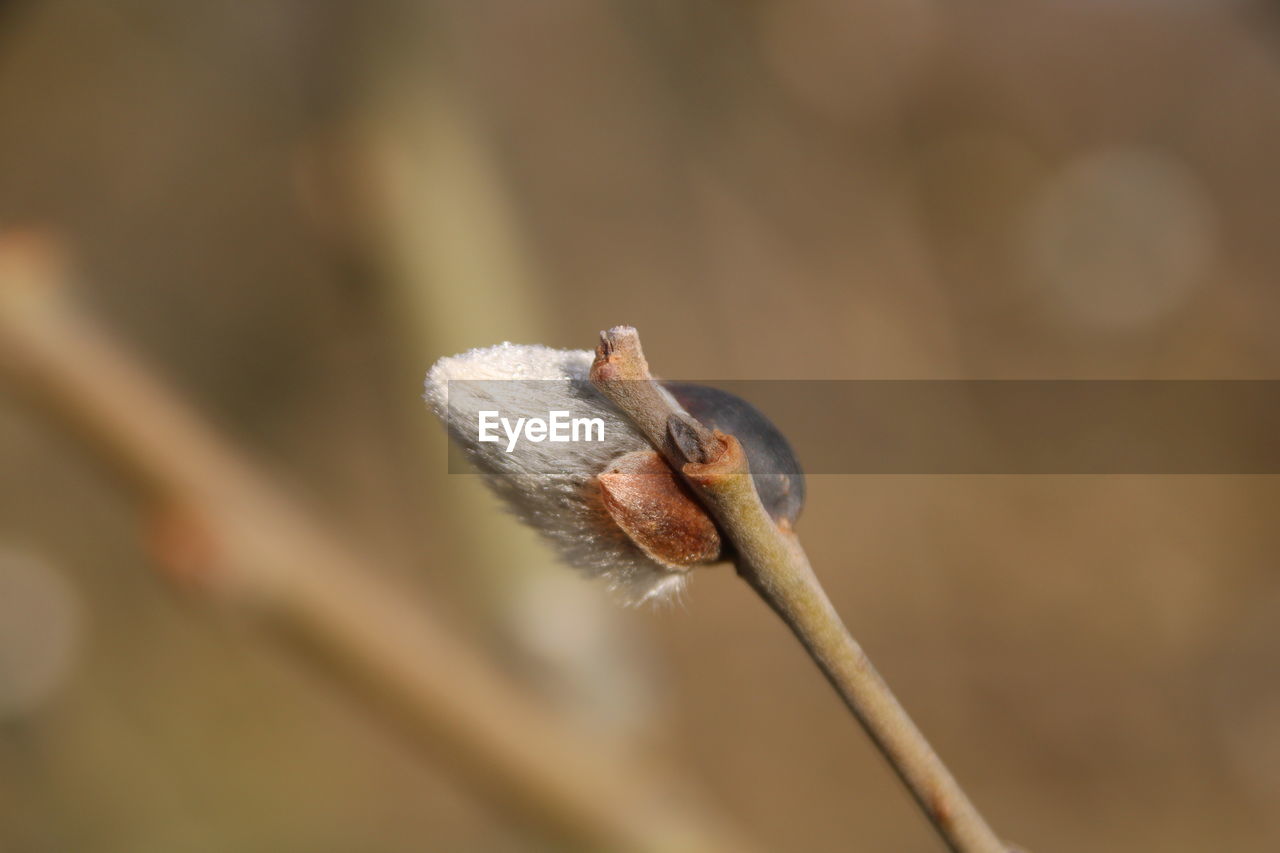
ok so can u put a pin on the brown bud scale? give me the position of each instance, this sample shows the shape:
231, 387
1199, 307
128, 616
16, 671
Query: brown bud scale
657, 511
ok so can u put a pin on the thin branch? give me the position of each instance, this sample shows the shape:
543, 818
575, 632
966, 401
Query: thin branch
226, 533
770, 558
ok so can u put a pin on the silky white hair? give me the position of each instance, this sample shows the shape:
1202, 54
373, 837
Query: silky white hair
550, 486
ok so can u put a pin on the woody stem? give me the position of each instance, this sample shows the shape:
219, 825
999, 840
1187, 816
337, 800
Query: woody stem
774, 564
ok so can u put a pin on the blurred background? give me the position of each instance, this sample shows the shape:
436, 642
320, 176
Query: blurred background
288, 210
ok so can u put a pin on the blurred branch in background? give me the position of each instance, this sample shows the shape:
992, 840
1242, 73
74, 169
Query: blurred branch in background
222, 531
453, 257
405, 182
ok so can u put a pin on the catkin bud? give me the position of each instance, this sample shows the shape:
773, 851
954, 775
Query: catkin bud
553, 487
606, 499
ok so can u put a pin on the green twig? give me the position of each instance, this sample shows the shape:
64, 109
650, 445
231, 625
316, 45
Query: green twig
770, 559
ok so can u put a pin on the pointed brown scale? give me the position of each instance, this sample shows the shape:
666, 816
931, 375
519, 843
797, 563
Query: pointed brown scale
655, 508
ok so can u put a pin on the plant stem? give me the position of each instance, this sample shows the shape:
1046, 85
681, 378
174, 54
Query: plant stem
770, 559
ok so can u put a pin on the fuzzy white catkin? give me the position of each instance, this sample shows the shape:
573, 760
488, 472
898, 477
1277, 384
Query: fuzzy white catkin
549, 486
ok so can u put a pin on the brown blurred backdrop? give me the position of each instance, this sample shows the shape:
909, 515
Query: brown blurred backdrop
289, 209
